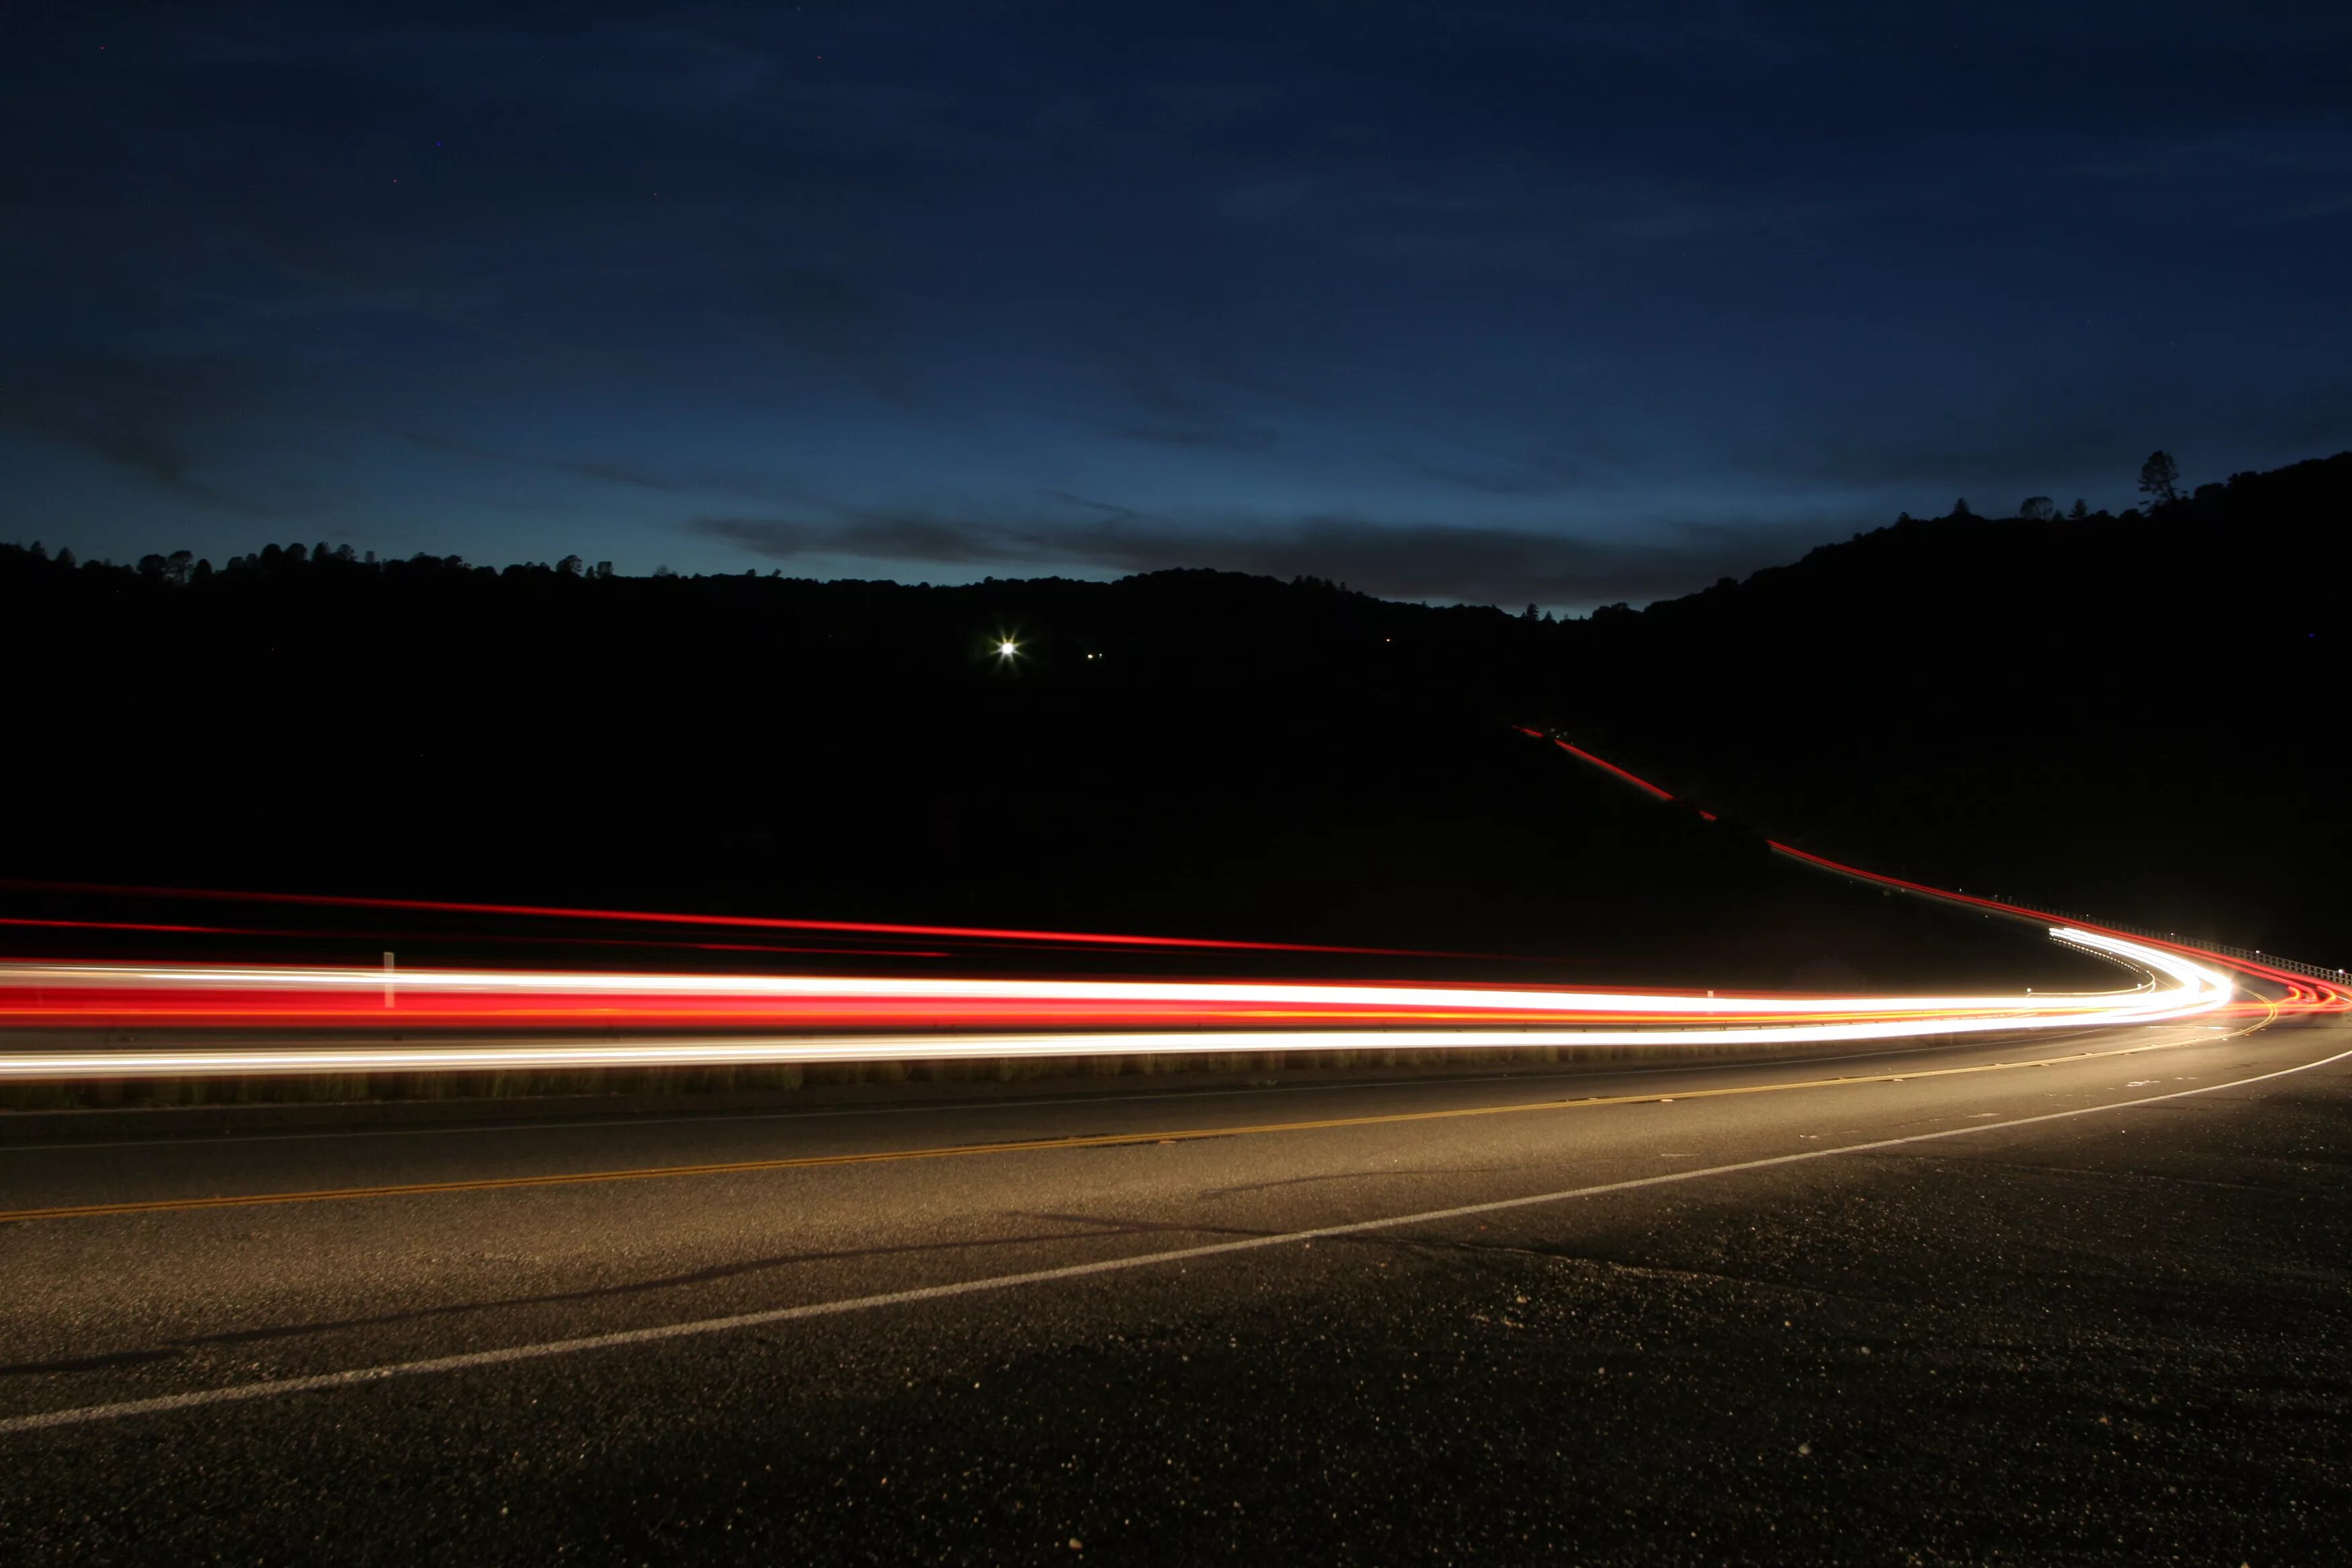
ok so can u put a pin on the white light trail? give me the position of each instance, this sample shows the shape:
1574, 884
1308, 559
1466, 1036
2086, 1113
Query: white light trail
2189, 978
2177, 987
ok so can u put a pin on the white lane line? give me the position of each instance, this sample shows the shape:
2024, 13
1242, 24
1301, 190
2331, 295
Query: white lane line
277, 1387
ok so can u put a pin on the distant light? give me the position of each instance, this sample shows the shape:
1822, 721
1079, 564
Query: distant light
1007, 648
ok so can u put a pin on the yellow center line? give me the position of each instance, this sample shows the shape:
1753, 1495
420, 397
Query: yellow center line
1035, 1145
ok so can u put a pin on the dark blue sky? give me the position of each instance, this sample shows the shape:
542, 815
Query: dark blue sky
1563, 302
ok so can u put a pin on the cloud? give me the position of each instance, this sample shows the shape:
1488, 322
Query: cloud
1088, 503
2058, 449
617, 474
1167, 411
608, 473
1410, 561
2278, 424
1504, 476
1222, 438
148, 416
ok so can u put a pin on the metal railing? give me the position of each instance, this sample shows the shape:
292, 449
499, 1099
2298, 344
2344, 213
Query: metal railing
2250, 954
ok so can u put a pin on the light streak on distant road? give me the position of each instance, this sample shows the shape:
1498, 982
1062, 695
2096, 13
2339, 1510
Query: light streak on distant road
2305, 993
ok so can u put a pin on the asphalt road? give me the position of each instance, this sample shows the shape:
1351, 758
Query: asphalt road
1648, 1315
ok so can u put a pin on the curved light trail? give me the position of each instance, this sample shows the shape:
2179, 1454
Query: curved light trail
849, 1018
2306, 992
320, 1019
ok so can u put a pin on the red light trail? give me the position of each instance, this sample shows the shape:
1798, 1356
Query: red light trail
745, 923
830, 1017
312, 1020
2304, 994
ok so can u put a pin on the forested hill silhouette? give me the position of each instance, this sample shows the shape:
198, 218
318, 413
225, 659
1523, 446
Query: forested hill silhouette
2133, 714
2138, 715
1186, 753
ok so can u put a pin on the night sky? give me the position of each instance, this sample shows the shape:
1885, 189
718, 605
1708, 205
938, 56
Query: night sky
1560, 302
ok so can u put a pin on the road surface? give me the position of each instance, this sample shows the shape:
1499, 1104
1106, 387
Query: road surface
2080, 1296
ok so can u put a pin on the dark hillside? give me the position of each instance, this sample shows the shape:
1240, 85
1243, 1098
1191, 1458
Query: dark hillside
1187, 752
2140, 716
2137, 716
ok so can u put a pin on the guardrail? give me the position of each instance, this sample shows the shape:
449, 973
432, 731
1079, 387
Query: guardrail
2250, 954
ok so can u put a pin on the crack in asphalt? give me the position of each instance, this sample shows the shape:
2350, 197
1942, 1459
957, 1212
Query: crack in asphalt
185, 1345
1347, 1176
1653, 1271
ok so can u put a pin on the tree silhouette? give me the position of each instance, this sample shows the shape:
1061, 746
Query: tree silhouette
2041, 509
2080, 509
1960, 508
2161, 477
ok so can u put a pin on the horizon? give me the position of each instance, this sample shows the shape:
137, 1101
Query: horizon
1490, 308
878, 783
573, 563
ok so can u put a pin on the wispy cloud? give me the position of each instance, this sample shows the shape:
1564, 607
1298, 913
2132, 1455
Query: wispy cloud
1219, 437
1164, 407
150, 416
606, 472
1412, 561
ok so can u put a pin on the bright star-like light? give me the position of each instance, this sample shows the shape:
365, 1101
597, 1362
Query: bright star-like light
1007, 648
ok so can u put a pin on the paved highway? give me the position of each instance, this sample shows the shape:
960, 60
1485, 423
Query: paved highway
2078, 1295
